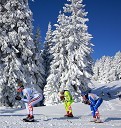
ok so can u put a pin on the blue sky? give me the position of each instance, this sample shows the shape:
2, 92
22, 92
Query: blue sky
104, 22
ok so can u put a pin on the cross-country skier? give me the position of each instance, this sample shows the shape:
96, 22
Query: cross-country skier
30, 97
94, 101
66, 97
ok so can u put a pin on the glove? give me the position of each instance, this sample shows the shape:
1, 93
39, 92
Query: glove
86, 102
62, 98
18, 98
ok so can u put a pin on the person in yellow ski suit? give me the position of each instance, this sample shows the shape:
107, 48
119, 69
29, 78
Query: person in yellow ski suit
66, 97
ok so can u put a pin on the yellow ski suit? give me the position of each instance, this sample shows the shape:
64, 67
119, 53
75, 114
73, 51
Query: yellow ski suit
68, 101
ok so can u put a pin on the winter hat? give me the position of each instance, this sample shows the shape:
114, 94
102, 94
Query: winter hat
84, 93
62, 92
20, 83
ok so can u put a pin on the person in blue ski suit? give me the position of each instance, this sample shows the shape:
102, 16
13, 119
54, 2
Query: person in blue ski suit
94, 101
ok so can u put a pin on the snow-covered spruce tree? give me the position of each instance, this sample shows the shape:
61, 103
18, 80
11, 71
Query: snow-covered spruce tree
37, 40
117, 64
95, 69
48, 44
71, 66
39, 61
57, 64
78, 46
107, 74
101, 69
16, 48
105, 69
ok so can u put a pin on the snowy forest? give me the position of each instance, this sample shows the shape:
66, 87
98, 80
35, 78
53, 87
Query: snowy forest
107, 69
65, 62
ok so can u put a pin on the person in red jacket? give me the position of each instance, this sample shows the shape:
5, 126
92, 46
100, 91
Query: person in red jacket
30, 97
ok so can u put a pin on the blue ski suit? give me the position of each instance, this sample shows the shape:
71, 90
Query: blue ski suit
95, 102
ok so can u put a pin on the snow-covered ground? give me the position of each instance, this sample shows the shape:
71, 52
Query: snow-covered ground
52, 116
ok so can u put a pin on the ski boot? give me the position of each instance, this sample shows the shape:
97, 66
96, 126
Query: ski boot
70, 114
24, 119
98, 117
30, 119
66, 115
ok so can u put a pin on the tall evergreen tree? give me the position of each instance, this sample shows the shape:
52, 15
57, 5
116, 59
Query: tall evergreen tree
78, 46
71, 66
16, 48
37, 40
108, 73
48, 44
107, 69
57, 65
95, 69
117, 64
39, 61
